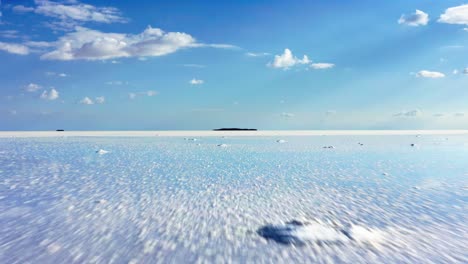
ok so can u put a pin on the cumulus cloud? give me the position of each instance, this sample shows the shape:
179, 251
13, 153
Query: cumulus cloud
455, 15
465, 71
32, 87
14, 48
86, 101
287, 60
418, 18
50, 95
88, 44
100, 99
196, 81
411, 113
430, 74
322, 66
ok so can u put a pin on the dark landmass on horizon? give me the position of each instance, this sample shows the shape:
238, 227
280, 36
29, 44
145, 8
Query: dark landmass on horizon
235, 129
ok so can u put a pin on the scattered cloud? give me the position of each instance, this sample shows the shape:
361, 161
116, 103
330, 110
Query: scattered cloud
196, 81
330, 112
430, 74
455, 15
100, 100
116, 83
465, 71
322, 66
22, 9
455, 71
418, 18
50, 95
148, 93
32, 87
287, 60
56, 74
194, 65
460, 114
86, 101
151, 93
439, 115
11, 34
411, 113
257, 54
287, 115
14, 48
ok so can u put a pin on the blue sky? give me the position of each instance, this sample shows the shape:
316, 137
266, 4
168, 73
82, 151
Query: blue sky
115, 65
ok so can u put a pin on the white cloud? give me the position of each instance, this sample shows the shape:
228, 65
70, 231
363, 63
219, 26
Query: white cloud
9, 34
56, 74
412, 113
455, 71
321, 66
465, 71
132, 96
196, 82
287, 60
430, 74
100, 99
287, 115
32, 87
22, 9
51, 95
116, 83
14, 48
91, 44
257, 54
459, 114
418, 18
455, 15
72, 13
151, 93
439, 115
194, 65
86, 101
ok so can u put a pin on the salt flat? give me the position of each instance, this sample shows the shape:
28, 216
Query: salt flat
257, 199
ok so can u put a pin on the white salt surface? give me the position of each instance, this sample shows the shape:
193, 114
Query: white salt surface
169, 200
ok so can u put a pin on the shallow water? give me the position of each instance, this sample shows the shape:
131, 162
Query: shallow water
176, 200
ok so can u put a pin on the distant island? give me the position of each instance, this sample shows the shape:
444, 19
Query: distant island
59, 130
235, 129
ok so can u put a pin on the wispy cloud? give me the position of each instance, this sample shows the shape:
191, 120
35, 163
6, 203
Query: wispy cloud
322, 66
430, 74
411, 113
14, 48
70, 14
257, 54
